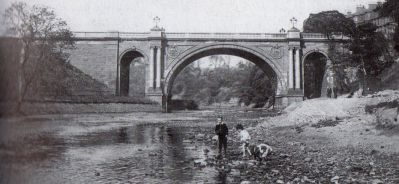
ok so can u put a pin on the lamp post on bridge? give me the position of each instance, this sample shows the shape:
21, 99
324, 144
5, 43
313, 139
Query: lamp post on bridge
156, 21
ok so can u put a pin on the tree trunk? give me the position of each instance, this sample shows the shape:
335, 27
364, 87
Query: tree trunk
364, 77
20, 79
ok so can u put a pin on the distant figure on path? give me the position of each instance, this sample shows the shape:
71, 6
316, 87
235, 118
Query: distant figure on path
244, 139
329, 92
331, 85
222, 131
335, 91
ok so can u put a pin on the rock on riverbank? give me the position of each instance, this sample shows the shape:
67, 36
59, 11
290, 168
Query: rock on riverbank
323, 141
334, 140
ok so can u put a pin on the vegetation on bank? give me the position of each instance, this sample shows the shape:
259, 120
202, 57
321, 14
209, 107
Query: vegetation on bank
245, 82
34, 65
367, 50
390, 8
41, 37
55, 81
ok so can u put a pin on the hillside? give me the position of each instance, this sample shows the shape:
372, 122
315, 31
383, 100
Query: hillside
390, 77
55, 79
61, 80
369, 121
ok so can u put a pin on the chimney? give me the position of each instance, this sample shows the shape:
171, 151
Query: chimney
372, 6
360, 9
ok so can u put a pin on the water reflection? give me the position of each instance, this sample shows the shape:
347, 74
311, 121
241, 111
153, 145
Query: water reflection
221, 177
122, 137
129, 153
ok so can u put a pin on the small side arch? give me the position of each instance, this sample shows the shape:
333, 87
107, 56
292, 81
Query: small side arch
314, 66
141, 52
125, 60
314, 51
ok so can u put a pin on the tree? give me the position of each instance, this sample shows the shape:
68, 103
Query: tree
390, 8
369, 47
369, 51
217, 61
42, 37
215, 85
255, 87
329, 23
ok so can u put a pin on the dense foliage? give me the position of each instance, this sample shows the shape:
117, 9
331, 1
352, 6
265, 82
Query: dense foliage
390, 8
329, 23
246, 82
368, 50
365, 50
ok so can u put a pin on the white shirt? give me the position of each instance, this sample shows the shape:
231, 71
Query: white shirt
244, 136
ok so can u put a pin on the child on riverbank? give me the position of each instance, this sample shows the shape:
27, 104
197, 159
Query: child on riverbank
244, 139
222, 131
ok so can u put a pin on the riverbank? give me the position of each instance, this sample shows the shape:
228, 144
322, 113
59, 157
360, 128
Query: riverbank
344, 140
315, 141
43, 108
331, 141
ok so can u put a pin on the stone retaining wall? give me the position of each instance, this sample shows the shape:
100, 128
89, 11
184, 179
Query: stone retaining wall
77, 108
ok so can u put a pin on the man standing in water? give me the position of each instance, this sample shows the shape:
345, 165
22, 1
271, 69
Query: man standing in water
222, 131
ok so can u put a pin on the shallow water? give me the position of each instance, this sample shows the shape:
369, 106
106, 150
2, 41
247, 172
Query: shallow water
105, 152
115, 148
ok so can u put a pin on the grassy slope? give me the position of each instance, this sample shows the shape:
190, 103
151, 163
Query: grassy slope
390, 78
56, 81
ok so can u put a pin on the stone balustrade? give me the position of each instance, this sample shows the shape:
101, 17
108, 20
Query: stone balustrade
319, 36
177, 35
226, 35
174, 35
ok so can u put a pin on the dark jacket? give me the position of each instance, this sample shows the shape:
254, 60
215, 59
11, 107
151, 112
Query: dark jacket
221, 130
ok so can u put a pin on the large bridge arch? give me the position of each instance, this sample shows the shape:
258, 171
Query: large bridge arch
249, 53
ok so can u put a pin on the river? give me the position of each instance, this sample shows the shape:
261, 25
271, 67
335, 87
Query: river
113, 148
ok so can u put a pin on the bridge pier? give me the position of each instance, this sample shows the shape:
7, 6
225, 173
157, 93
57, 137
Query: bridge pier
295, 89
154, 89
284, 101
156, 96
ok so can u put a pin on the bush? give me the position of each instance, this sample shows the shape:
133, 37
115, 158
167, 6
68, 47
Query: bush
370, 108
183, 105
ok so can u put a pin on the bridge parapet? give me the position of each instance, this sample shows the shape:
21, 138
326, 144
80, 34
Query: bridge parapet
314, 36
176, 35
112, 35
203, 36
320, 36
246, 36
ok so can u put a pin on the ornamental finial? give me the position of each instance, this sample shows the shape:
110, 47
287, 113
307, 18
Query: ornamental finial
293, 21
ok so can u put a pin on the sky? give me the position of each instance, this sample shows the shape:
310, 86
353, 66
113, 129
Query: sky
252, 16
234, 16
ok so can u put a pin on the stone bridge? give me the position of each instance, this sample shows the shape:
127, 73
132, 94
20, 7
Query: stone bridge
296, 62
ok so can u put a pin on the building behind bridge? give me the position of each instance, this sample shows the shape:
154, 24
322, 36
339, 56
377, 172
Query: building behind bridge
362, 15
